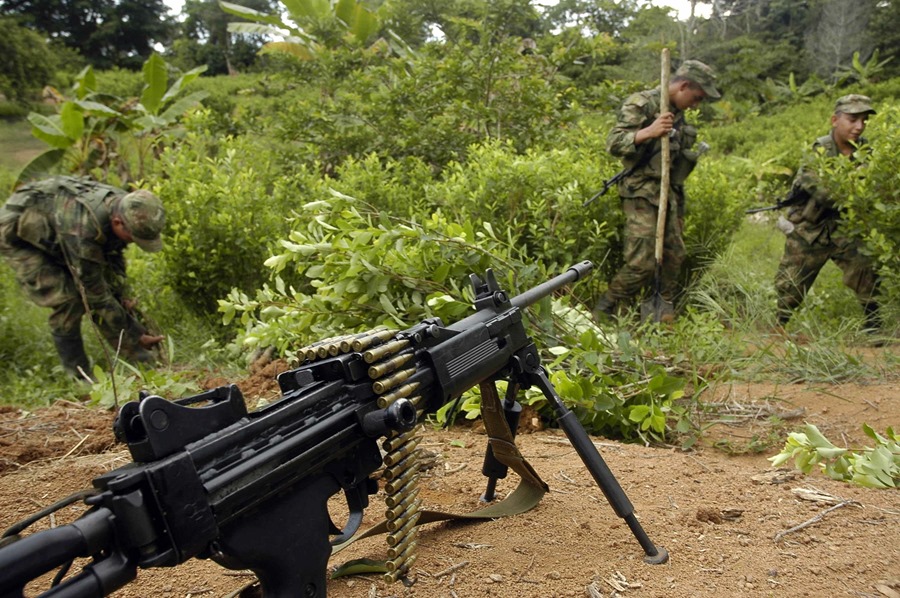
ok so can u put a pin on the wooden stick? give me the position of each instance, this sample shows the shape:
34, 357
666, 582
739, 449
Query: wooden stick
665, 158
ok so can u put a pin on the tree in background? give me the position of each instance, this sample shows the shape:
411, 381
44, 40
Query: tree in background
841, 29
207, 40
885, 33
107, 33
28, 63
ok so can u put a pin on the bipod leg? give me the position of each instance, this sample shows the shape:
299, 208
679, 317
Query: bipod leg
493, 469
589, 454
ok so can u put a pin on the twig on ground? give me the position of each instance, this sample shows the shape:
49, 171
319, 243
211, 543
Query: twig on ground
75, 448
451, 569
699, 462
814, 520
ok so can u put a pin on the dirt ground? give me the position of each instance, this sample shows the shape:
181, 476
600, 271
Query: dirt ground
726, 518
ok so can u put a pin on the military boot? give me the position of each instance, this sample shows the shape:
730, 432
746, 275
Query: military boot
71, 353
605, 308
873, 316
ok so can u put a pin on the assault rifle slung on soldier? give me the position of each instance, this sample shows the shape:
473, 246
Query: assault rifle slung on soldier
795, 197
702, 148
250, 490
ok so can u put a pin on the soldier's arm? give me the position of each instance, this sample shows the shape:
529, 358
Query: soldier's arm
89, 268
637, 124
807, 179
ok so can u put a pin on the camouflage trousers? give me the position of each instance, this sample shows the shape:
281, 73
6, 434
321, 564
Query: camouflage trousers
49, 283
803, 260
640, 245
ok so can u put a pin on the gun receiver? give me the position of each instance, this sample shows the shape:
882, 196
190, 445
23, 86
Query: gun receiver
250, 489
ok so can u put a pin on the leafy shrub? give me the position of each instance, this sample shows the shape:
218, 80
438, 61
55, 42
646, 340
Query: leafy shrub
870, 196
538, 196
226, 204
877, 467
365, 268
433, 107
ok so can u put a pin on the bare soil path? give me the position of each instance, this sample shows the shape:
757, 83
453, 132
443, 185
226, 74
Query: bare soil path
717, 514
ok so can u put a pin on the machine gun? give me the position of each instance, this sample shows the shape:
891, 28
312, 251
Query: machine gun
796, 196
250, 489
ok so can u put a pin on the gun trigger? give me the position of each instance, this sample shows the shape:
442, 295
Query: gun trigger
357, 499
333, 529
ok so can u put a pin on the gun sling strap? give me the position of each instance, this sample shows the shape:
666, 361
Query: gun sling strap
526, 496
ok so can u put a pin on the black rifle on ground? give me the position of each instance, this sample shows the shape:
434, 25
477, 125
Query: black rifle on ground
250, 489
795, 197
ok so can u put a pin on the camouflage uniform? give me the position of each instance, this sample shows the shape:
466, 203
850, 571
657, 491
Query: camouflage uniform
640, 191
817, 237
57, 237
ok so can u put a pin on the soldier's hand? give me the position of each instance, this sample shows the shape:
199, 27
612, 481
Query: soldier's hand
148, 341
660, 127
663, 124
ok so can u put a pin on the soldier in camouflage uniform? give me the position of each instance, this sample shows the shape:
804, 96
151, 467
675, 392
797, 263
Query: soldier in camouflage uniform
64, 237
635, 139
816, 234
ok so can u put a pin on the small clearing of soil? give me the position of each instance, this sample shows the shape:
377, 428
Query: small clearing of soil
726, 520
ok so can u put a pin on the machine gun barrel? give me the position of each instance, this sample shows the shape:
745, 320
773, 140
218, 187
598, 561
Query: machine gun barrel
573, 274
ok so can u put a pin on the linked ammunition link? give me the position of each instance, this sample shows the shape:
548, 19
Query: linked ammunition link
336, 345
402, 501
392, 363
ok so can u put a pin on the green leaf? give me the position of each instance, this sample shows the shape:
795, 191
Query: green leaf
49, 129
182, 82
816, 437
72, 120
386, 305
96, 108
155, 82
440, 274
310, 9
41, 166
359, 567
639, 413
178, 108
85, 82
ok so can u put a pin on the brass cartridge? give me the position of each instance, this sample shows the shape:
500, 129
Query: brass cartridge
408, 542
396, 523
397, 469
397, 456
393, 513
374, 336
407, 389
399, 569
386, 367
385, 384
393, 500
392, 444
382, 351
402, 559
395, 538
397, 485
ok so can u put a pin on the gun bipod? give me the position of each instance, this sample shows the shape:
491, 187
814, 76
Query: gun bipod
590, 456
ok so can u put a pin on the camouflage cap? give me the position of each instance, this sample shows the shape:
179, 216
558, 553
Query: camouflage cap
143, 215
701, 74
854, 103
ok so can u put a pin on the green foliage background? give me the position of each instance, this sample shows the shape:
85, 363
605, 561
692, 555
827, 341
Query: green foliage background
361, 183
